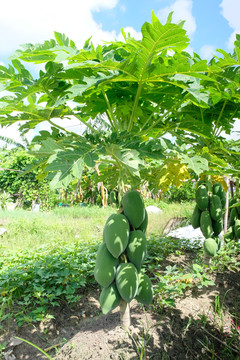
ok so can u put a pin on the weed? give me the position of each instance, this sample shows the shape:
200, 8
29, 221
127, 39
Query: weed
141, 342
175, 281
36, 281
227, 258
2, 349
36, 347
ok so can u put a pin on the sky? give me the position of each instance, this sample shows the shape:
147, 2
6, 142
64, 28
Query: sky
210, 24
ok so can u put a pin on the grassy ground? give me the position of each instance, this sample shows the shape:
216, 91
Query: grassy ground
29, 230
47, 262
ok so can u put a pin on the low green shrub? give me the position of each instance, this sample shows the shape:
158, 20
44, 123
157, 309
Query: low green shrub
31, 282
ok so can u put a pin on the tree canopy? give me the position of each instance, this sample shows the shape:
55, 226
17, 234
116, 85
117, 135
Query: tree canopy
128, 94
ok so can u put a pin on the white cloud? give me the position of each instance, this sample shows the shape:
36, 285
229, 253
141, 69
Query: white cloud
12, 132
72, 124
207, 51
130, 30
230, 11
235, 133
182, 11
27, 21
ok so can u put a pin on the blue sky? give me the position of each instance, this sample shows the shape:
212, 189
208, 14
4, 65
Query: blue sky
210, 24
212, 28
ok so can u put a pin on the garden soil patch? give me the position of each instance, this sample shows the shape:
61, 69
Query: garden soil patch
82, 332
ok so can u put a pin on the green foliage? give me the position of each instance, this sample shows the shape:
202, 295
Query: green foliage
145, 87
24, 188
36, 347
227, 257
176, 281
47, 269
127, 95
186, 192
5, 198
35, 281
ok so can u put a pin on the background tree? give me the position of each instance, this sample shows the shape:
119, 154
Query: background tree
23, 188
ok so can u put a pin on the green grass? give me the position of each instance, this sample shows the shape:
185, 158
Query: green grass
27, 230
30, 230
47, 259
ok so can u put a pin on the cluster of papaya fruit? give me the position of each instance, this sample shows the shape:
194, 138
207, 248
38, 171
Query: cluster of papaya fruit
121, 255
208, 214
233, 231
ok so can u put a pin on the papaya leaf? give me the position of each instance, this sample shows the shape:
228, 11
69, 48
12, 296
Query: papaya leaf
196, 163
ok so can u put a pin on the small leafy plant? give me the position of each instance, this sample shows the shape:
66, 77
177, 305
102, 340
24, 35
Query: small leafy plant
35, 281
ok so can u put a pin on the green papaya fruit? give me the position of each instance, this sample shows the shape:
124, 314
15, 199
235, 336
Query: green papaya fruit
145, 290
137, 248
133, 208
218, 242
229, 235
195, 220
206, 183
237, 229
217, 227
232, 201
200, 182
109, 298
144, 224
202, 198
105, 266
215, 207
210, 247
206, 224
233, 217
238, 207
127, 281
116, 234
217, 189
113, 198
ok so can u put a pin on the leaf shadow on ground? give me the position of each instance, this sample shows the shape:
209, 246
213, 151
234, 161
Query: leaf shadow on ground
199, 327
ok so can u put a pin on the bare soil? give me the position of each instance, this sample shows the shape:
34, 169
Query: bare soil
187, 331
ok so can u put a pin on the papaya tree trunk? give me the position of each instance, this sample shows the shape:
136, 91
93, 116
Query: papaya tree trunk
231, 188
237, 188
226, 213
125, 316
207, 259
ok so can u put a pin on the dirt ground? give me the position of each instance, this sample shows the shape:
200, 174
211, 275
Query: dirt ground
82, 332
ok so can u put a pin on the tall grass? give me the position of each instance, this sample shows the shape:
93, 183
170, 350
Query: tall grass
30, 230
27, 230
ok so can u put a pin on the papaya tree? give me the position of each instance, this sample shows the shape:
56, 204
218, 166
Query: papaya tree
128, 95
